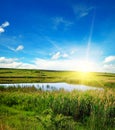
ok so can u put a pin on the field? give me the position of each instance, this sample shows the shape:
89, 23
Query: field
106, 80
31, 109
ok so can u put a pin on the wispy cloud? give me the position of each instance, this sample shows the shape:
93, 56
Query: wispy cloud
56, 56
59, 55
2, 27
109, 68
73, 51
64, 51
65, 64
14, 63
58, 64
109, 59
109, 64
55, 64
81, 10
65, 55
5, 24
54, 43
58, 21
18, 48
7, 60
73, 64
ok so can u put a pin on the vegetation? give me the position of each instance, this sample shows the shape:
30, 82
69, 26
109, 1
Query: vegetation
106, 80
29, 108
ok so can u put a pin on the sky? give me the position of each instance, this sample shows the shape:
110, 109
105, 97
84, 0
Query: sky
58, 34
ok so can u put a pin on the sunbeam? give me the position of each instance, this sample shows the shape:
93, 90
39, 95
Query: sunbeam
90, 36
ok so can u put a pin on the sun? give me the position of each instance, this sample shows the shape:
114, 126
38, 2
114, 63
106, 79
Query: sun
86, 66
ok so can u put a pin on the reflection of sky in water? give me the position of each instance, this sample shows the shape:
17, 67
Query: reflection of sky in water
54, 86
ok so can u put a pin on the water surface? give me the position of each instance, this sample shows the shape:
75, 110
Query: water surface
54, 86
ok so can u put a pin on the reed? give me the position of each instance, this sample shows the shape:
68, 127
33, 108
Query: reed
90, 110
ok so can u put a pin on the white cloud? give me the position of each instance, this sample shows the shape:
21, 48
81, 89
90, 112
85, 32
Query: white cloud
56, 56
39, 64
72, 64
2, 30
66, 64
57, 21
81, 10
59, 55
109, 64
6, 60
5, 24
49, 64
55, 64
65, 55
109, 68
19, 48
73, 51
12, 49
14, 63
83, 14
109, 59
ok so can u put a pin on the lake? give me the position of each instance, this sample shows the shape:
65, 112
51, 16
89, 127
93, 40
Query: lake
54, 86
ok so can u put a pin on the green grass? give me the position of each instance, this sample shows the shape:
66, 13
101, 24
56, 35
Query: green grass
106, 80
28, 108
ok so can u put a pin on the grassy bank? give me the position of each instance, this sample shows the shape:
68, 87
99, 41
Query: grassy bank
28, 108
106, 80
32, 109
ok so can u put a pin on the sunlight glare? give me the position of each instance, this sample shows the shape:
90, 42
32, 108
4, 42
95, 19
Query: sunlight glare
85, 70
86, 66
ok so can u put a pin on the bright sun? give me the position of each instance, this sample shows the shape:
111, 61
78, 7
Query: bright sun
86, 66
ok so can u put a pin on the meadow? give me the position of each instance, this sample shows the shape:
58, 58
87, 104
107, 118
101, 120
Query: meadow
29, 108
106, 80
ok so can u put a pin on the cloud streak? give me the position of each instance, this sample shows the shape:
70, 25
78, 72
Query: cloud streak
56, 56
59, 21
3, 26
81, 10
59, 55
18, 48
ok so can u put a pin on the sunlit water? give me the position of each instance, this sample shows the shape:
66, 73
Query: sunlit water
54, 86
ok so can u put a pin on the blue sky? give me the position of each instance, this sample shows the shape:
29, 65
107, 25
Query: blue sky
58, 34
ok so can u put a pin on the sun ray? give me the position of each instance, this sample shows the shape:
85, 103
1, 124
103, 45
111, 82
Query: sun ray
90, 36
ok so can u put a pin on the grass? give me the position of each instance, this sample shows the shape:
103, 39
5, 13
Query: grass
106, 80
29, 108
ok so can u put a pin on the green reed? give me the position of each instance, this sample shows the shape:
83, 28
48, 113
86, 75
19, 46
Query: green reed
89, 110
